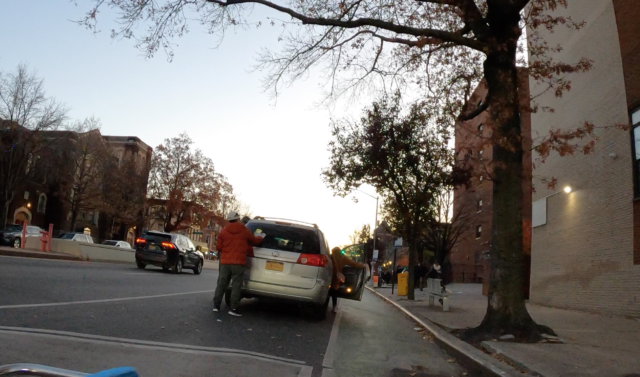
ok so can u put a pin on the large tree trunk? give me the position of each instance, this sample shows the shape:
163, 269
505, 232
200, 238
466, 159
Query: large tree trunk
74, 219
506, 310
413, 256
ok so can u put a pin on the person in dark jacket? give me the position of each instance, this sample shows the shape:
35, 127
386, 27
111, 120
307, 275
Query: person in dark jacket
436, 273
233, 247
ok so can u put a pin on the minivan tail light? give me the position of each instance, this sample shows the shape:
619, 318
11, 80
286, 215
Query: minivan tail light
317, 260
168, 245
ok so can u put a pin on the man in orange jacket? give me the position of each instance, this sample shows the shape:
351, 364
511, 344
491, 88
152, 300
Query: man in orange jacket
233, 245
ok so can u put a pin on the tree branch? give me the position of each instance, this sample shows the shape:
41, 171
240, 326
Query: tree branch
442, 35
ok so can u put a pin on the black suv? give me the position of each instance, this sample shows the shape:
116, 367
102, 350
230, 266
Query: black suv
12, 234
169, 251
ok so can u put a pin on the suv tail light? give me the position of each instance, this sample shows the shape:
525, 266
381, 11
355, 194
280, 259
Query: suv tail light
168, 245
140, 240
317, 260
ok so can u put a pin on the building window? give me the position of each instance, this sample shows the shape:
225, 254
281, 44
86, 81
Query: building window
480, 179
42, 203
479, 205
478, 231
480, 129
635, 119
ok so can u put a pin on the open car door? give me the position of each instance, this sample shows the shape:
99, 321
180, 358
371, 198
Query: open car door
353, 286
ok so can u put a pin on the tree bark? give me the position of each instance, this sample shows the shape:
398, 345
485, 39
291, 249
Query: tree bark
506, 310
74, 219
413, 256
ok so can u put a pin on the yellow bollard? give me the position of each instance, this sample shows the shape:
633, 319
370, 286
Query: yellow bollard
403, 287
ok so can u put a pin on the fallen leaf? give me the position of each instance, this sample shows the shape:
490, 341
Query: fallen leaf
451, 360
298, 335
412, 374
279, 346
249, 329
288, 354
162, 327
417, 328
219, 320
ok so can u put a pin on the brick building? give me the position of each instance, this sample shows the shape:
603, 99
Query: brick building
586, 244
39, 201
469, 256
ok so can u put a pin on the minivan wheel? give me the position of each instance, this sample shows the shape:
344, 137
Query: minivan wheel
16, 243
198, 268
177, 268
140, 265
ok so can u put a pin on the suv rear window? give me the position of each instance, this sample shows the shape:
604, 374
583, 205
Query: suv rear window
287, 238
157, 237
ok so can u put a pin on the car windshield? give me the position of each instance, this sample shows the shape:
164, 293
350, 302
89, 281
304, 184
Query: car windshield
157, 237
287, 238
67, 236
110, 243
13, 228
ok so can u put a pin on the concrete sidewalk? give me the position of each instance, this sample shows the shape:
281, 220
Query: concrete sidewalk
594, 345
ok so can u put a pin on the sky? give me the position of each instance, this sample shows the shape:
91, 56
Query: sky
271, 152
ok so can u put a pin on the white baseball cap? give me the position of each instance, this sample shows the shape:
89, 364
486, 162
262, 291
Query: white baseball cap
233, 215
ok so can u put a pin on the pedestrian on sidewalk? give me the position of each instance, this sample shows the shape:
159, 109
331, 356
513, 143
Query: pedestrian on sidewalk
436, 273
233, 246
339, 260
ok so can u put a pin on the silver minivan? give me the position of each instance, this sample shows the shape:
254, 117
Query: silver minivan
293, 263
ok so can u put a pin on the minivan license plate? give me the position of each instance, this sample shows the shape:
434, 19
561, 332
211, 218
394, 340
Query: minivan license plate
275, 266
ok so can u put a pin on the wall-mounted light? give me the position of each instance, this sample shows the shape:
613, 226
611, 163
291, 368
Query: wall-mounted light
28, 205
567, 189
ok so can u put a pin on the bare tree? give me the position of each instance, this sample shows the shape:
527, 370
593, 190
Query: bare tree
444, 229
83, 162
25, 112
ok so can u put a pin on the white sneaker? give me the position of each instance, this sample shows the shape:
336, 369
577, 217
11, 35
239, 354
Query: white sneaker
235, 313
215, 310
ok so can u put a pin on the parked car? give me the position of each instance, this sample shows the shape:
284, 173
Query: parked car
122, 244
12, 234
169, 251
78, 237
293, 263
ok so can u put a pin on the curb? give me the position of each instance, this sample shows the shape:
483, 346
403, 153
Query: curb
473, 356
27, 254
494, 349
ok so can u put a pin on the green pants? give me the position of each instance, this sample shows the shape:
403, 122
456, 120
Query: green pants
229, 272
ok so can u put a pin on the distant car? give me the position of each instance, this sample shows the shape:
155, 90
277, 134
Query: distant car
293, 263
122, 244
78, 237
169, 251
12, 234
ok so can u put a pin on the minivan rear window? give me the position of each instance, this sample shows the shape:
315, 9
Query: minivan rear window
287, 238
157, 237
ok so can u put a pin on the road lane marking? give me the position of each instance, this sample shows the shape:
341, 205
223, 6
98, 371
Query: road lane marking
25, 306
329, 354
144, 344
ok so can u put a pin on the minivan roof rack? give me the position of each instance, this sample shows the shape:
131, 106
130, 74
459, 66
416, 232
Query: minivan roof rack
279, 219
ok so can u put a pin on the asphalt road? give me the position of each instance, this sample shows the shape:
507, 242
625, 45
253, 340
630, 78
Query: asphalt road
91, 316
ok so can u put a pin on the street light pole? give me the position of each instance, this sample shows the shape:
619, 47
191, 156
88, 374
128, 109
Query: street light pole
375, 224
